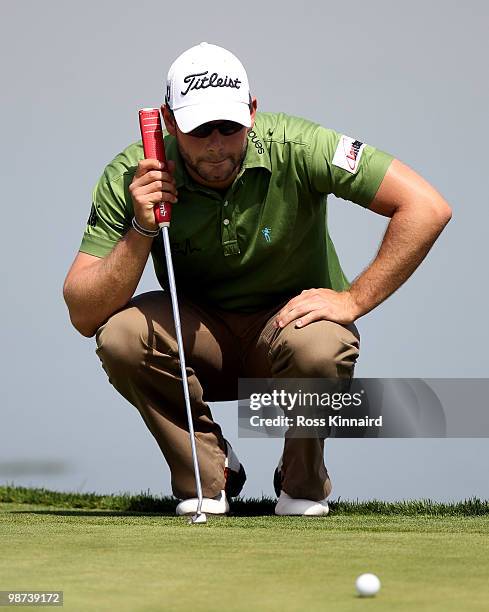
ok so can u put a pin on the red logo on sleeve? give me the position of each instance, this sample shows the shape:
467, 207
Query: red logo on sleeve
351, 152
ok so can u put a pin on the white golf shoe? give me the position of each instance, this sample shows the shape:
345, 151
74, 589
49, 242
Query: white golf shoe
289, 506
235, 477
213, 505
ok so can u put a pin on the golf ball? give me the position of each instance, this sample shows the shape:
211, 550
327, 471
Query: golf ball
367, 585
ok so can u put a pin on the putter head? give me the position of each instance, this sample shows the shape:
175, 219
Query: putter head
198, 518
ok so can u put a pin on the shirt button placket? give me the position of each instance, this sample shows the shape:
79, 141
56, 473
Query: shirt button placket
229, 241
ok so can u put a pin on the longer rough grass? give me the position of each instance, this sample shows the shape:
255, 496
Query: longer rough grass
145, 502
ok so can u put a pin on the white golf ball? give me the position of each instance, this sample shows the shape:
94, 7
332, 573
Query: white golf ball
367, 585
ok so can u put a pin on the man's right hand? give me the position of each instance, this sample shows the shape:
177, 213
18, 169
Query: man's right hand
152, 184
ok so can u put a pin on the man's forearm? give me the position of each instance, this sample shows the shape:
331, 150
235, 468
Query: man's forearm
407, 240
106, 286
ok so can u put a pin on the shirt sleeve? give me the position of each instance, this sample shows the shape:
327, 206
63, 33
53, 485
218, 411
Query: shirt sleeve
109, 217
346, 167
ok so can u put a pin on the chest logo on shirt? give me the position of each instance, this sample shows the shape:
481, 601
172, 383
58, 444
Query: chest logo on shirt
348, 154
267, 231
183, 248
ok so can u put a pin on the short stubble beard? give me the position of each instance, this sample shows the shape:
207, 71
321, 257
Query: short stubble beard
197, 165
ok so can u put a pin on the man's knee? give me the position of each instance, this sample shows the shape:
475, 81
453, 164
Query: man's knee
322, 349
121, 340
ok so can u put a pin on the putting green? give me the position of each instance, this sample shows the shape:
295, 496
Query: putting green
106, 560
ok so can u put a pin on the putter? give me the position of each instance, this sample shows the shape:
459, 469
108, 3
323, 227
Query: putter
154, 148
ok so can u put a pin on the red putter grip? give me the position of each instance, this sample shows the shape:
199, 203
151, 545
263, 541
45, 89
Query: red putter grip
154, 148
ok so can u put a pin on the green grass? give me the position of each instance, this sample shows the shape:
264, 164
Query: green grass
145, 502
131, 554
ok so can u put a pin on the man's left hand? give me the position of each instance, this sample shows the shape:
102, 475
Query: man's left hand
318, 304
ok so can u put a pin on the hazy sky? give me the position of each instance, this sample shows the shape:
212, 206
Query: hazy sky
408, 78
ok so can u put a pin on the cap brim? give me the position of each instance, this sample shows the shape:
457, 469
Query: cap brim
190, 117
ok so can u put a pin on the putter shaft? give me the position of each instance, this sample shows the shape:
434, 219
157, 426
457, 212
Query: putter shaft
181, 354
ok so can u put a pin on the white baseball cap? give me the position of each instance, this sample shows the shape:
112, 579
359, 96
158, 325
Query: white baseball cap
207, 83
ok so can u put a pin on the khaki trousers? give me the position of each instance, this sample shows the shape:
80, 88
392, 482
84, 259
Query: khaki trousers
138, 350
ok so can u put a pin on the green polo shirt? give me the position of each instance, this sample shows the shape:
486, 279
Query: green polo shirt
264, 240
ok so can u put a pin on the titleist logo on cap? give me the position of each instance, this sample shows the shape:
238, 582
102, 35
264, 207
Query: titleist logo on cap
201, 81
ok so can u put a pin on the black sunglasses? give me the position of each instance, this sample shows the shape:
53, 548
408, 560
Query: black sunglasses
225, 128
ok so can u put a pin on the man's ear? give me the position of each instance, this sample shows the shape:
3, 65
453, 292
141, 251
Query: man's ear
169, 120
253, 107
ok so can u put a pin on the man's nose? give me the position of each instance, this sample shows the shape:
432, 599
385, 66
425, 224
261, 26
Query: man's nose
215, 139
